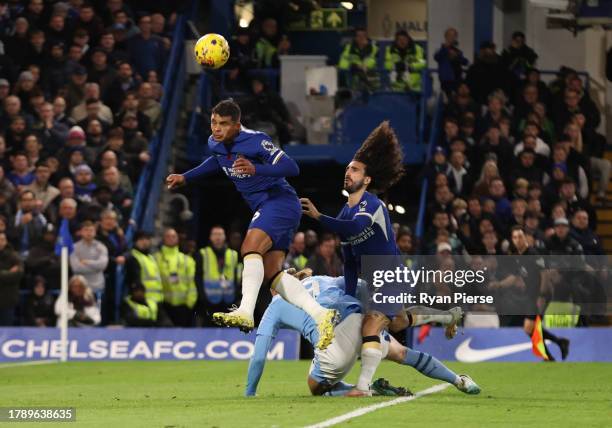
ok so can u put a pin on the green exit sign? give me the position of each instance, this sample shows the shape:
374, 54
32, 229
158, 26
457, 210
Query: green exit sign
322, 20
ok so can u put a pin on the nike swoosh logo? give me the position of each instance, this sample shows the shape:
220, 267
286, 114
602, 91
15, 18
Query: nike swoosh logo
466, 354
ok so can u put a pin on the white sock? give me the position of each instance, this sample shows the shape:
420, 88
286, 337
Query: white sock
370, 359
290, 288
425, 315
252, 277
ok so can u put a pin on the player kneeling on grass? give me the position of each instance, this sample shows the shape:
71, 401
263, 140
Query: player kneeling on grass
331, 365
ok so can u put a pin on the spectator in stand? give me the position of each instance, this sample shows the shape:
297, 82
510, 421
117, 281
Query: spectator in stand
12, 110
115, 55
270, 45
146, 50
571, 202
404, 60
296, 258
84, 185
11, 272
24, 87
494, 145
450, 61
526, 103
17, 45
518, 57
92, 95
497, 190
56, 31
487, 74
122, 84
462, 102
43, 191
592, 146
112, 237
100, 71
59, 112
51, 131
405, 243
42, 259
358, 59
136, 147
131, 104
28, 223
488, 172
148, 105
121, 198
90, 257
326, 261
267, 107
75, 90
459, 178
36, 50
495, 111
532, 142
82, 308
240, 62
177, 271
583, 233
561, 243
38, 309
89, 21
570, 106
437, 165
451, 132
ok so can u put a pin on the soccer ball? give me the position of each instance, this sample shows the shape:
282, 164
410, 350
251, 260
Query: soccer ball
212, 51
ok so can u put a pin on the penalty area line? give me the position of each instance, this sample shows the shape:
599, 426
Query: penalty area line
368, 409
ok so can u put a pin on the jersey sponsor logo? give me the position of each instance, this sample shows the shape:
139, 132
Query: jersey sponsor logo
269, 146
230, 172
465, 353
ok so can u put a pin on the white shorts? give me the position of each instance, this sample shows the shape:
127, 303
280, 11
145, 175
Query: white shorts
336, 361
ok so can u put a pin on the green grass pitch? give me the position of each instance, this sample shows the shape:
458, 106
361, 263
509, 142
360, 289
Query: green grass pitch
209, 394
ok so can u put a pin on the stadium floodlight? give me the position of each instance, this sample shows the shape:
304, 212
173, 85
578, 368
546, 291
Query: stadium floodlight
390, 207
400, 209
345, 193
347, 5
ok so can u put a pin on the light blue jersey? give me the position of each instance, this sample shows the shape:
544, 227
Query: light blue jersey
327, 291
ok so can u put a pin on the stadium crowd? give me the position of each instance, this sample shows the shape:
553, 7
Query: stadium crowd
79, 103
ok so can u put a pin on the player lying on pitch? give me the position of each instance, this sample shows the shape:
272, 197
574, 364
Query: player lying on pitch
331, 365
258, 169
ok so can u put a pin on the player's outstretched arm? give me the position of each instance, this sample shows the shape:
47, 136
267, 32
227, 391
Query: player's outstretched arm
257, 363
208, 167
345, 228
284, 167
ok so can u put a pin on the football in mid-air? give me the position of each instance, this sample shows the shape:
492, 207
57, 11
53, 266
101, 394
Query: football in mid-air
212, 51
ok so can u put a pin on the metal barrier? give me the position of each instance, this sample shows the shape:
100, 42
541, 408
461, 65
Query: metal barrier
433, 137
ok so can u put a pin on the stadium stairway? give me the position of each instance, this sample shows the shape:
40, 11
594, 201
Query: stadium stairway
604, 212
177, 161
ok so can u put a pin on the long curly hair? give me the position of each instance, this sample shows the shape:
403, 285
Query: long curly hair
383, 157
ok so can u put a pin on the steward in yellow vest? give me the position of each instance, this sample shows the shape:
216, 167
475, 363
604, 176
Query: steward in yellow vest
405, 60
359, 59
137, 310
142, 267
177, 271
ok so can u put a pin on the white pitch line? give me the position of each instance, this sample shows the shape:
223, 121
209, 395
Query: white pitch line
27, 363
368, 409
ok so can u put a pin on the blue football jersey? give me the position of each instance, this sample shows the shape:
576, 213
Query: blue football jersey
258, 148
377, 239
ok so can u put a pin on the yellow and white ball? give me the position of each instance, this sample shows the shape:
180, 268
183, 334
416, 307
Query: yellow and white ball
212, 51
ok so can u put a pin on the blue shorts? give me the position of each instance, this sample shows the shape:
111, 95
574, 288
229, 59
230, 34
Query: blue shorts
279, 216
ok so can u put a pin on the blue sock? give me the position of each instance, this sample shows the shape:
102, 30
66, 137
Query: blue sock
339, 389
430, 366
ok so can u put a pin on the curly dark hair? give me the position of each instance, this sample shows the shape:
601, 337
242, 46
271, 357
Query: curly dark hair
382, 155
